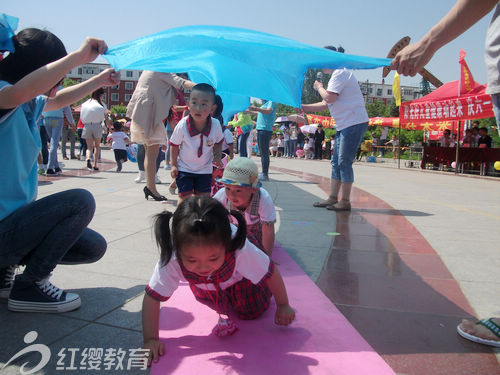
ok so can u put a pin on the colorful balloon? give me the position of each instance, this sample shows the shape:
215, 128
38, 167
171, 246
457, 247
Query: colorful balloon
132, 152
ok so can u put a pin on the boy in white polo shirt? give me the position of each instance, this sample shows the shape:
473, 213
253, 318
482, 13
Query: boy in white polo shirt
196, 144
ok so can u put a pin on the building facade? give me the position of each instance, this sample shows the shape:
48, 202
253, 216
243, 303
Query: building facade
383, 92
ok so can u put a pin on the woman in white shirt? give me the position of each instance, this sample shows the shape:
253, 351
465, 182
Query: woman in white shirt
93, 113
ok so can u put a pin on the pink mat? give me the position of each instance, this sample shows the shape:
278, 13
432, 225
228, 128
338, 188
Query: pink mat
319, 341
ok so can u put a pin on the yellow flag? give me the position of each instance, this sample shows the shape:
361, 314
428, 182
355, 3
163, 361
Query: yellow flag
396, 89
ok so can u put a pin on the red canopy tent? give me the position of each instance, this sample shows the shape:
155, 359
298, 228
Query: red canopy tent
444, 105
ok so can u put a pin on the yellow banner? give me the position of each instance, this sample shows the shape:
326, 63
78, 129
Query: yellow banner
396, 89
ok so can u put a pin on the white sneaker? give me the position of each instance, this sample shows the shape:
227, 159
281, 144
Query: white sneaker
140, 177
157, 180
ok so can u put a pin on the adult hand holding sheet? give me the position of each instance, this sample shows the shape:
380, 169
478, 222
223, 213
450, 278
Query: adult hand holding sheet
239, 63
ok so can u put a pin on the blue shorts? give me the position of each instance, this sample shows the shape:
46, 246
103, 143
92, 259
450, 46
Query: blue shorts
191, 182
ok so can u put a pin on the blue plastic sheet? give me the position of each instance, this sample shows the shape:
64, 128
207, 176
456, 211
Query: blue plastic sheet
8, 26
239, 63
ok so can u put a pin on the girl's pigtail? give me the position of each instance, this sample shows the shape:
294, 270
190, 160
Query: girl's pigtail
163, 236
241, 234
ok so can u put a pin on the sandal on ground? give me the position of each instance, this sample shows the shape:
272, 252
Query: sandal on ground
488, 323
323, 204
340, 206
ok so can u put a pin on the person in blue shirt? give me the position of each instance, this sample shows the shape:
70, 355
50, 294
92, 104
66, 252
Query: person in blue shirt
40, 233
266, 114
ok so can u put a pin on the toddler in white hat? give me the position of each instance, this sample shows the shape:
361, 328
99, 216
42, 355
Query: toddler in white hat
242, 192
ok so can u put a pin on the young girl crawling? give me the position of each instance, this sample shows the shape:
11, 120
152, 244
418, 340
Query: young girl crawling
200, 246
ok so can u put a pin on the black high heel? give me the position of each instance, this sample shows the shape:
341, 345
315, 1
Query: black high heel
148, 193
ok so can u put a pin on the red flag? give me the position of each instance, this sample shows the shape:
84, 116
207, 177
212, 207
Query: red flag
467, 82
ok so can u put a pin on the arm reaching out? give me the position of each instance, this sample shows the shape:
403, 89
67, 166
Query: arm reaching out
465, 13
150, 319
284, 312
47, 77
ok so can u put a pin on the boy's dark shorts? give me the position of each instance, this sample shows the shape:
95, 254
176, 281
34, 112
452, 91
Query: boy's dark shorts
120, 155
187, 183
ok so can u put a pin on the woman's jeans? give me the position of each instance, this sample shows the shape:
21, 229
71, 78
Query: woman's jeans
45, 139
68, 134
242, 146
287, 148
347, 142
141, 155
53, 126
293, 147
50, 231
263, 139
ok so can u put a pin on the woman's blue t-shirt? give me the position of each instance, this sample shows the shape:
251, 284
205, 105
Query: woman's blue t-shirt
266, 122
19, 148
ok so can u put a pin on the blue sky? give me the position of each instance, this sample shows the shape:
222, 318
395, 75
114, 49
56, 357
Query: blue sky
365, 27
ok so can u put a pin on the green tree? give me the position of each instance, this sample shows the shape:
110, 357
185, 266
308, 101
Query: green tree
425, 87
69, 82
119, 110
377, 109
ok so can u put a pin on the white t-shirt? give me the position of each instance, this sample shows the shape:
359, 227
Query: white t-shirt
188, 160
385, 130
274, 144
228, 139
267, 211
349, 108
251, 264
92, 112
118, 140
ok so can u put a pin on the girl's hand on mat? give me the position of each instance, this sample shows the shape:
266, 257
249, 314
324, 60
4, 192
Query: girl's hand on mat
174, 172
284, 315
155, 348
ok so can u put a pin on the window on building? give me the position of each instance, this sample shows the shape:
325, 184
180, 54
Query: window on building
114, 97
104, 98
115, 87
379, 92
130, 74
389, 92
370, 90
80, 71
128, 97
129, 86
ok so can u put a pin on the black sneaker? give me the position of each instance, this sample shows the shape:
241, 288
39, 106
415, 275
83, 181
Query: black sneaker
6, 280
119, 166
58, 170
89, 165
50, 172
40, 296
